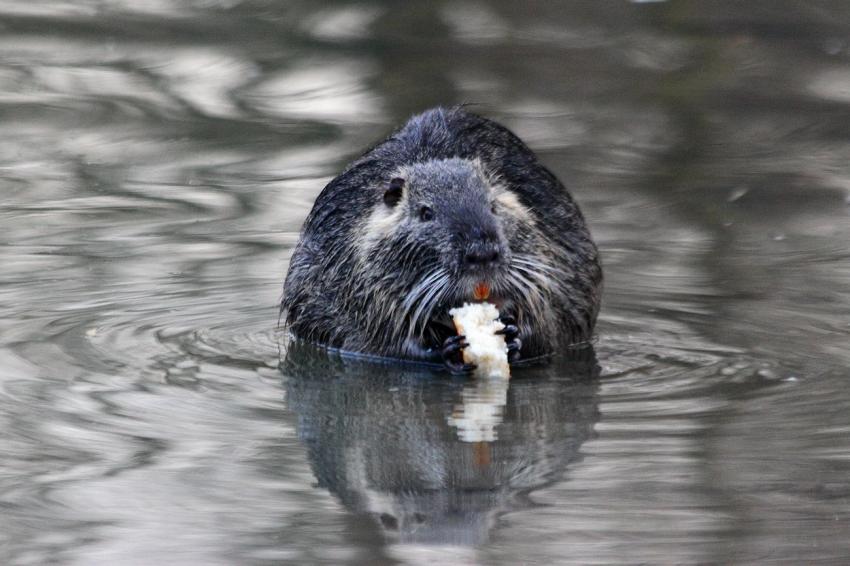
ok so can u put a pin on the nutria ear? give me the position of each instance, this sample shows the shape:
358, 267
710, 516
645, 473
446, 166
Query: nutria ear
393, 193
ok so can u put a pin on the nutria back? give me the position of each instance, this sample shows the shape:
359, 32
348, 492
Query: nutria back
407, 231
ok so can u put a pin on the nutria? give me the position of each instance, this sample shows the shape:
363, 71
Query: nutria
450, 204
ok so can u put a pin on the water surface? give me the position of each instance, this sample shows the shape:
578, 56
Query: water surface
157, 160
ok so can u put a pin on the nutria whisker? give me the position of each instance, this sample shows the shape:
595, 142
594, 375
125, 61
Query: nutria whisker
426, 306
415, 298
536, 264
533, 298
427, 282
529, 269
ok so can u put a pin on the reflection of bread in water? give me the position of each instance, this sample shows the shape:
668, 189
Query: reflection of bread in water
479, 322
480, 411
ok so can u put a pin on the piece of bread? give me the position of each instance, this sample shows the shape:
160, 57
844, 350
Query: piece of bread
487, 350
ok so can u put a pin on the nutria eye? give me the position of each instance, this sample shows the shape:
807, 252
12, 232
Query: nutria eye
393, 193
493, 208
426, 214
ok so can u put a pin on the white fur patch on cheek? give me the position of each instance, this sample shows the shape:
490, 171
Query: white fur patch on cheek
383, 220
380, 224
510, 202
506, 198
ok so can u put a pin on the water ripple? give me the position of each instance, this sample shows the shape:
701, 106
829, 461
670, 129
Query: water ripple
157, 160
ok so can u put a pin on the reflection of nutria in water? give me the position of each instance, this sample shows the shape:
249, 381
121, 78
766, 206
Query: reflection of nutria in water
435, 461
450, 208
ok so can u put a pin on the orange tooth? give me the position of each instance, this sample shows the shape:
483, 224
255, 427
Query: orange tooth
481, 454
481, 292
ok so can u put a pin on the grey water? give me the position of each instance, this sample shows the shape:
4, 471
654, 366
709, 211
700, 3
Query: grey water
157, 159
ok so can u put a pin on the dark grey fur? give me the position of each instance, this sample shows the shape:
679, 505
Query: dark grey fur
391, 297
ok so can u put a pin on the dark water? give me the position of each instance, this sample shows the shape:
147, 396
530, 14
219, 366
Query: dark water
157, 159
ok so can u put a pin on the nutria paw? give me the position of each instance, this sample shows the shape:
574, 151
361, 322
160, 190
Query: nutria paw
511, 334
452, 356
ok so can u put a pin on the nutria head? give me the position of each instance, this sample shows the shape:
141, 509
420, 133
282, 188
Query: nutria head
455, 234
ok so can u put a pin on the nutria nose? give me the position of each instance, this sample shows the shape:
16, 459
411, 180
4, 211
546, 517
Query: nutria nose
482, 256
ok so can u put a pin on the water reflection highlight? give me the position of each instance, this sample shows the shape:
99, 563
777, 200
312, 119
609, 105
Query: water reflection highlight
431, 460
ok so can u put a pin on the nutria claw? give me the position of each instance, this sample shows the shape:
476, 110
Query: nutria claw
514, 346
511, 334
451, 353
